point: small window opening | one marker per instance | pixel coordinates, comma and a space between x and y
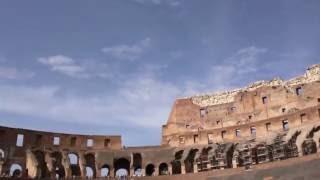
181, 140
202, 112
264, 99
237, 132
20, 138
283, 110
210, 138
195, 138
73, 141
56, 141
89, 142
233, 109
303, 117
107, 143
187, 125
250, 117
318, 100
285, 125
268, 126
38, 139
299, 91
253, 131
223, 134
218, 122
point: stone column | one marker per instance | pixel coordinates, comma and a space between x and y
66, 164
234, 162
48, 160
111, 172
195, 167
221, 163
82, 165
183, 169
143, 172
156, 171
1, 164
170, 169
131, 171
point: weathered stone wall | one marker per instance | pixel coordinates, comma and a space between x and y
195, 118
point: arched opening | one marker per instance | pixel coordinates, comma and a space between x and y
150, 170
137, 164
309, 147
176, 167
42, 169
163, 169
190, 160
176, 163
57, 165
15, 171
121, 167
90, 163
89, 172
105, 170
74, 164
203, 159
1, 154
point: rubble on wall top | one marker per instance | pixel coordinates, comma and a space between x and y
312, 74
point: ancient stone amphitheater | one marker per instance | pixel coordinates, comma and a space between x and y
268, 130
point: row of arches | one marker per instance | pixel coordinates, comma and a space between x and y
215, 156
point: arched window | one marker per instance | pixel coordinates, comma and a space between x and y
150, 170
105, 169
163, 169
15, 171
122, 167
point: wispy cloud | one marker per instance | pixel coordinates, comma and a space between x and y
64, 65
14, 73
128, 52
68, 66
172, 3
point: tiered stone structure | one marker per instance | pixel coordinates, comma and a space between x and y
240, 129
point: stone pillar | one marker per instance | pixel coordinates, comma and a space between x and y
1, 164
111, 172
156, 171
183, 169
48, 160
66, 164
221, 163
234, 162
170, 169
195, 168
82, 165
98, 172
131, 171
143, 172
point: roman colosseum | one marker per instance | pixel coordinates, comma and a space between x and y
267, 130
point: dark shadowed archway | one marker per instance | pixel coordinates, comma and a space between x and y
122, 167
163, 169
150, 169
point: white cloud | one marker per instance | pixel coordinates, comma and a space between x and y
14, 73
64, 65
128, 52
68, 66
229, 72
172, 3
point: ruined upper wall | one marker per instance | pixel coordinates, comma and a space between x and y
312, 74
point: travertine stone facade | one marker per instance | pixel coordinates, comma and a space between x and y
244, 113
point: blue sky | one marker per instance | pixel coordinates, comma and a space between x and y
116, 66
